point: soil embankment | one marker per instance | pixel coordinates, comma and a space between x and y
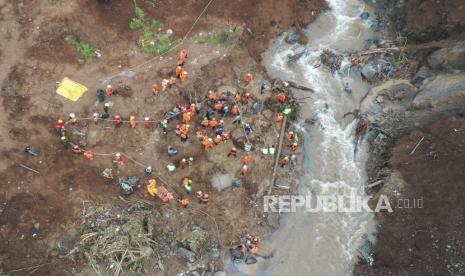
417, 146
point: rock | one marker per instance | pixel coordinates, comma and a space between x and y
186, 254
421, 75
220, 273
368, 71
451, 58
364, 15
292, 36
444, 91
379, 99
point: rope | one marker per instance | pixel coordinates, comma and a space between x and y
107, 78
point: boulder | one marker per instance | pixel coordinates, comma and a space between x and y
442, 92
368, 71
451, 58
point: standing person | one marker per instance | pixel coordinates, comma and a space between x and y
155, 89
118, 121
108, 90
249, 77
72, 118
237, 119
100, 95
29, 150
106, 107
232, 152
118, 159
182, 57
149, 171
246, 158
59, 127
147, 122
96, 118
178, 72
244, 169
64, 141
182, 164
164, 126
132, 121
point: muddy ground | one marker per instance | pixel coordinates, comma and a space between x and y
40, 216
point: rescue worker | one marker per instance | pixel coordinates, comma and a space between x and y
164, 84
232, 152
219, 129
184, 202
108, 90
118, 159
204, 198
246, 158
72, 118
89, 155
247, 147
29, 150
190, 161
179, 72
213, 123
118, 121
149, 171
186, 117
244, 169
100, 95
246, 98
234, 110
205, 122
218, 106
237, 119
279, 117
96, 118
193, 109
108, 173
182, 164
76, 149
284, 161
59, 126
249, 77
172, 151
290, 135
237, 97
247, 128
182, 57
171, 168
281, 97
293, 146
106, 107
132, 121
217, 139
64, 141
207, 143
147, 123
187, 184
164, 126
155, 89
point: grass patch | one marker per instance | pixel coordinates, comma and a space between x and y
151, 41
85, 50
217, 36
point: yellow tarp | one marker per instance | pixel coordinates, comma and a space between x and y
71, 89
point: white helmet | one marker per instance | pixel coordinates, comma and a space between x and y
95, 114
109, 86
146, 118
118, 154
72, 115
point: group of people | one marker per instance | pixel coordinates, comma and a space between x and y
211, 130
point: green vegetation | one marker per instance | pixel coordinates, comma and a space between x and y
216, 37
138, 21
85, 50
151, 41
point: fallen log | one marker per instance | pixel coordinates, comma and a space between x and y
376, 183
417, 145
276, 162
297, 86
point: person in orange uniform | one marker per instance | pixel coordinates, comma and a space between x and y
208, 143
184, 202
281, 97
205, 122
217, 139
155, 89
182, 57
246, 158
89, 155
132, 121
179, 72
249, 77
244, 169
213, 123
108, 90
234, 110
186, 117
218, 106
290, 135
